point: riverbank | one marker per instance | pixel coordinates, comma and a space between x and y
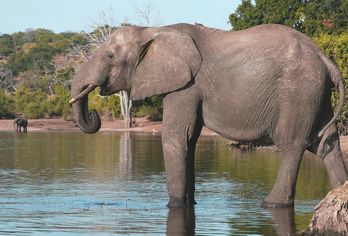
141, 125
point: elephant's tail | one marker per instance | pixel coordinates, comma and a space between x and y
339, 108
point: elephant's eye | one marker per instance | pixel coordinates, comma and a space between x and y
110, 55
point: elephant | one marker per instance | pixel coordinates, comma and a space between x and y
20, 123
266, 82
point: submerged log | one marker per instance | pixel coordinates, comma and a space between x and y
331, 214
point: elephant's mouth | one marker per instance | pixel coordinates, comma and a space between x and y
105, 91
113, 85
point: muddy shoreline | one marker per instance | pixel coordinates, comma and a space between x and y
141, 125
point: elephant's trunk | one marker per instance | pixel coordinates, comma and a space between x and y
89, 122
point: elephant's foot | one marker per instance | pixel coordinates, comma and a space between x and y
175, 202
276, 201
266, 204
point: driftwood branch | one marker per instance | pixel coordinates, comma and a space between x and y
331, 214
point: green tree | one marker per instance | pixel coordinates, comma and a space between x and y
30, 103
109, 106
284, 12
57, 104
35, 49
6, 45
39, 89
312, 17
151, 107
324, 16
6, 105
336, 48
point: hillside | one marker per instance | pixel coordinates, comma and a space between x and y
36, 68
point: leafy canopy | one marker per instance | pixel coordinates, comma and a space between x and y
312, 17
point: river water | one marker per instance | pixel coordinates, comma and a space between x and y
113, 183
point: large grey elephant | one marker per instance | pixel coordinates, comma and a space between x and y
267, 81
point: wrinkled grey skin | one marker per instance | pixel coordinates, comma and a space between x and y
267, 81
20, 123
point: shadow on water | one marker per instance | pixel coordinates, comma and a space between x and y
114, 183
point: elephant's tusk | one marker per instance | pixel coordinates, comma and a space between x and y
84, 92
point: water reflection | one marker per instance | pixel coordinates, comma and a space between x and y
181, 221
284, 220
125, 154
114, 183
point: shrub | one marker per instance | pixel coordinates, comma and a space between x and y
6, 106
336, 48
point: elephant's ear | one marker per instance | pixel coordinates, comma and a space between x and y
168, 61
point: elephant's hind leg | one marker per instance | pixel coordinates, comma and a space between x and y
290, 136
283, 192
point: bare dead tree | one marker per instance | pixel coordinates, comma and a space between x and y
7, 79
147, 15
126, 105
81, 51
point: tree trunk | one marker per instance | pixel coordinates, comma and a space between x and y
126, 105
331, 214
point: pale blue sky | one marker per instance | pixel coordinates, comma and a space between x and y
77, 15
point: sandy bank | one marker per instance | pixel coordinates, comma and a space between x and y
141, 125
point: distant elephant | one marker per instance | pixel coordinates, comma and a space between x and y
20, 123
268, 81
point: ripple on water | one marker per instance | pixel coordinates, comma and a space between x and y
114, 184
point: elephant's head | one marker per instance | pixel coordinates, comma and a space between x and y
143, 61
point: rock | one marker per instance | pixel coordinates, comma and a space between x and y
331, 214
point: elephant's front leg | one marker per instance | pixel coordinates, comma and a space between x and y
181, 129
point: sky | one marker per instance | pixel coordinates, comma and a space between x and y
77, 15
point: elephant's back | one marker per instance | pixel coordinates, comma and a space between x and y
254, 79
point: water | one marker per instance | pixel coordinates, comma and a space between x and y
114, 184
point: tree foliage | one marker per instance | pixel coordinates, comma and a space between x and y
36, 83
34, 49
6, 105
31, 84
264, 12
151, 107
312, 17
336, 48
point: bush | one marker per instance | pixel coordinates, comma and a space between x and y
152, 108
109, 106
33, 110
336, 48
6, 106
31, 103
58, 104
152, 113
